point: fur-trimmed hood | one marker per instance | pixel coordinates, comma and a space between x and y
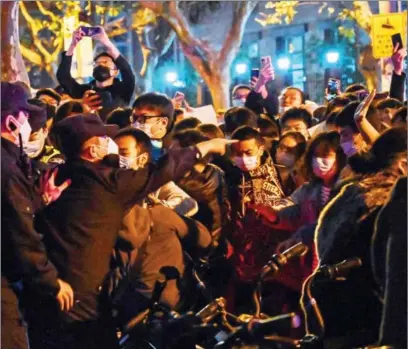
339, 222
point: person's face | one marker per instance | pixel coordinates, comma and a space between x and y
386, 116
248, 149
328, 163
128, 149
286, 152
38, 135
240, 96
48, 100
347, 134
151, 122
291, 98
107, 62
350, 142
295, 126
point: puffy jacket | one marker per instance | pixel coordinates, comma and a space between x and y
210, 191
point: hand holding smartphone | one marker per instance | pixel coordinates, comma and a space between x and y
397, 39
90, 31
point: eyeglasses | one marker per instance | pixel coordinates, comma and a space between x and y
286, 149
143, 118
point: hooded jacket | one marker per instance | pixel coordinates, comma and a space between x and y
345, 228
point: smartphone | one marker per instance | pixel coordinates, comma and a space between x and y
397, 39
265, 60
333, 86
254, 73
105, 98
91, 31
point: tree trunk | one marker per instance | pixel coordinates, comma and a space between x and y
12, 64
218, 83
145, 75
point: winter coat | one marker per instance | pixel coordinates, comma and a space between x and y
210, 191
389, 256
351, 308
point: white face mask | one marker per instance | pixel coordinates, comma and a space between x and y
322, 166
287, 160
238, 102
129, 163
34, 148
147, 128
111, 148
25, 131
247, 163
349, 148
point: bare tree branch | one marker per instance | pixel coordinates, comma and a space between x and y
233, 39
31, 55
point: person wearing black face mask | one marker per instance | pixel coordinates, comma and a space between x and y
110, 92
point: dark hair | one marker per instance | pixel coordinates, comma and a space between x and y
186, 124
400, 117
331, 118
391, 103
120, 117
48, 92
319, 113
189, 138
156, 102
68, 108
351, 96
300, 141
346, 117
245, 133
237, 87
389, 147
239, 116
329, 141
104, 54
298, 90
143, 142
335, 105
297, 113
268, 128
177, 112
355, 88
211, 131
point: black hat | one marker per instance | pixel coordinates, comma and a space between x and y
38, 119
72, 132
15, 99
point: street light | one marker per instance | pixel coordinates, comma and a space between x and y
171, 77
241, 68
332, 57
284, 63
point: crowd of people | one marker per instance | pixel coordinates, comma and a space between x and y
101, 189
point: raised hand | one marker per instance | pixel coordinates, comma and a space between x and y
214, 146
362, 109
77, 36
51, 192
397, 58
65, 296
92, 101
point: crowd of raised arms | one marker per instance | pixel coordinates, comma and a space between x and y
123, 216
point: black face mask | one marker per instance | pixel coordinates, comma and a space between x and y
101, 73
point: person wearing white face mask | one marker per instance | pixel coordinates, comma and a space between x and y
324, 160
288, 156
153, 114
135, 152
26, 268
42, 155
82, 227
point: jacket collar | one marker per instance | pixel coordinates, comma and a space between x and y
10, 148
